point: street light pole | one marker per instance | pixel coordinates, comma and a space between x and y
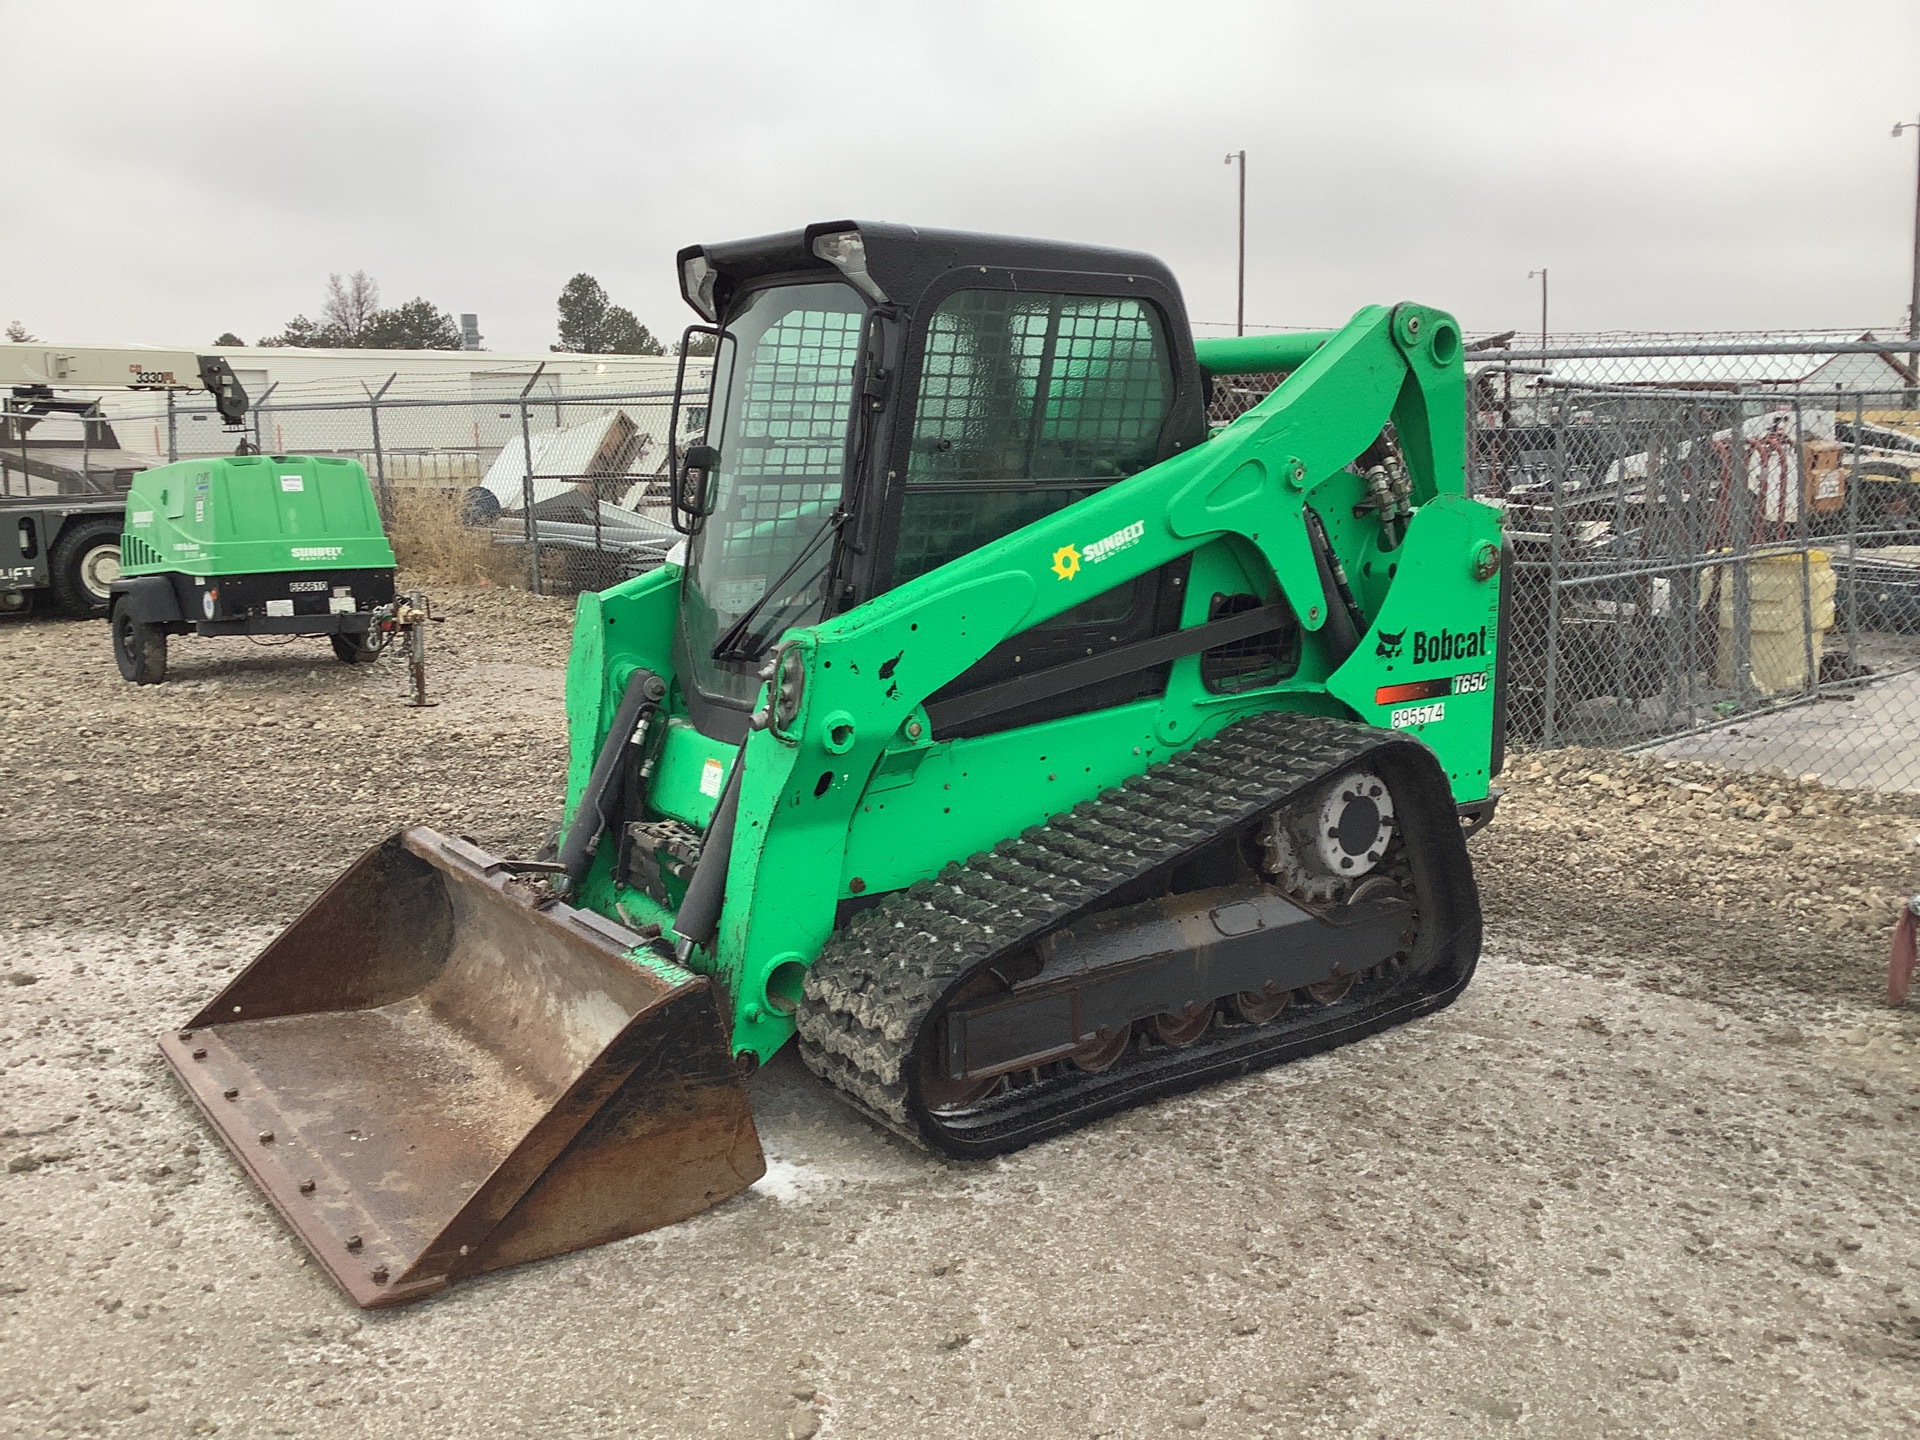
1542, 274
1240, 301
1913, 300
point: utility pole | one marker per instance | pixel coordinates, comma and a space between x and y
1542, 274
1913, 300
1240, 303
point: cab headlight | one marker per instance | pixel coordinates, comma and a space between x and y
697, 277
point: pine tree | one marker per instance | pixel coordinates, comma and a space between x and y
590, 324
417, 325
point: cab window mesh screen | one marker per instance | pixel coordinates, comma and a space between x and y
1039, 387
1027, 403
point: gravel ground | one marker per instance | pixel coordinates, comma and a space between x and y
229, 794
1763, 892
1655, 1173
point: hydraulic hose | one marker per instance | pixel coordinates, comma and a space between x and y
1341, 630
643, 694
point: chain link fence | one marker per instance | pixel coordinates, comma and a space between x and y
1715, 550
561, 492
1715, 546
1715, 541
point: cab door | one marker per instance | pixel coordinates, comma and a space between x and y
1025, 400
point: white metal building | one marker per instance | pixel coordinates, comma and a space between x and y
449, 410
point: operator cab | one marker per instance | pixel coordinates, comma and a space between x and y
886, 399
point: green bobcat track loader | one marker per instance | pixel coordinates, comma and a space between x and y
250, 545
1017, 744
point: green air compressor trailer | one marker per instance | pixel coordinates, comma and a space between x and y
250, 545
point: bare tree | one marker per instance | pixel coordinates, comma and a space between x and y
350, 304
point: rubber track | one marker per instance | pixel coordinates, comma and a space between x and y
880, 979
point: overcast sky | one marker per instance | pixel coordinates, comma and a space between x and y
180, 169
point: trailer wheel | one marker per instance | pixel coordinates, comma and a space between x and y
350, 649
85, 562
139, 650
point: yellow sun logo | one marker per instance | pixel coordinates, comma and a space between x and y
1066, 562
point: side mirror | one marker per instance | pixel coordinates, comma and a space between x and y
692, 487
689, 488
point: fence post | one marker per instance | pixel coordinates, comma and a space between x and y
1557, 496
526, 491
254, 413
1740, 519
1474, 486
1628, 638
380, 490
1853, 540
1803, 508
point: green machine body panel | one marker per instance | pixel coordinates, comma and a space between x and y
852, 789
252, 515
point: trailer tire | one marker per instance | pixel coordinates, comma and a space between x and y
355, 647
84, 563
139, 650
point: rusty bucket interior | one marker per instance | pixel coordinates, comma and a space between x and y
431, 1075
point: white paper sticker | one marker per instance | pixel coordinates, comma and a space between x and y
279, 607
292, 484
340, 604
711, 774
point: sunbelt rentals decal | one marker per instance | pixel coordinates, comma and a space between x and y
1068, 559
316, 552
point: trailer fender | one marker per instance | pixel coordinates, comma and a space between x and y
151, 598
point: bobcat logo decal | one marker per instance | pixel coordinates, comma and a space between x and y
1388, 646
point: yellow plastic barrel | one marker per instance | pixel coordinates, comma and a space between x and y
1789, 593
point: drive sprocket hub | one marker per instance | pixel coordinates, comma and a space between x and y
1314, 851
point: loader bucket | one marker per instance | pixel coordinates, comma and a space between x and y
432, 1076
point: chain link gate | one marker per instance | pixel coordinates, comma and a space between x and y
1716, 551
